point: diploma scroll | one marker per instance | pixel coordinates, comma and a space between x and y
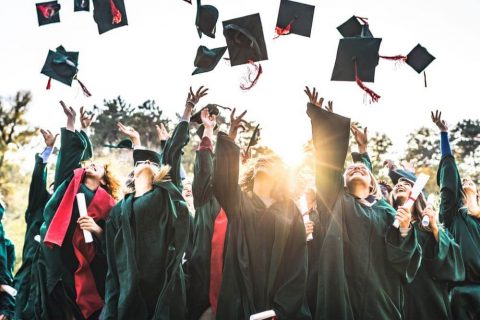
304, 211
269, 314
416, 190
82, 210
430, 202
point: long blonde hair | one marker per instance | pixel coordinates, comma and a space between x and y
160, 176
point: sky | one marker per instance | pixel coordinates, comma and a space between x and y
152, 58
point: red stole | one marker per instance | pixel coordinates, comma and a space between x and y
216, 258
88, 299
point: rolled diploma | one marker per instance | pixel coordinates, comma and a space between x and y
416, 189
82, 210
304, 211
263, 315
430, 202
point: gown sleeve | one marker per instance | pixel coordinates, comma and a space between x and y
202, 185
37, 194
172, 151
112, 287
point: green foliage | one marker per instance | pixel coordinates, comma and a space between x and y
423, 146
466, 138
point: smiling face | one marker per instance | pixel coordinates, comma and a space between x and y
145, 166
95, 171
401, 191
469, 186
357, 173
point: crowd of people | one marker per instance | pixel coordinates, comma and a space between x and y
139, 252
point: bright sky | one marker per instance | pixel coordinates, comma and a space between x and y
152, 58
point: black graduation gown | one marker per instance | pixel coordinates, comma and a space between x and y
25, 282
207, 209
363, 259
146, 240
57, 265
265, 263
7, 263
466, 231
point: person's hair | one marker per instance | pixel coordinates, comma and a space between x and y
464, 194
281, 189
112, 184
160, 176
374, 187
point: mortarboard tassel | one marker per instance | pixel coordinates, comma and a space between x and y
116, 14
49, 83
47, 11
425, 78
84, 89
283, 31
364, 20
396, 58
253, 74
367, 90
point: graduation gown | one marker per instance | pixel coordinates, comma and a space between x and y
209, 217
363, 259
466, 231
25, 282
58, 264
426, 297
266, 256
7, 263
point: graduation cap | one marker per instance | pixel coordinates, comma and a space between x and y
147, 155
245, 39
356, 61
123, 144
253, 141
355, 27
109, 14
62, 65
48, 12
206, 20
207, 59
294, 17
213, 109
81, 5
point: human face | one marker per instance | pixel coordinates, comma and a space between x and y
264, 167
357, 173
469, 186
142, 166
94, 171
402, 191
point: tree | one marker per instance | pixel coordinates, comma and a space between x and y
465, 135
423, 147
14, 129
379, 145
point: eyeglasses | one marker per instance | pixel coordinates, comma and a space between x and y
148, 163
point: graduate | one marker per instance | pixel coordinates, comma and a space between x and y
7, 263
363, 259
460, 213
38, 196
426, 297
148, 232
72, 271
206, 263
265, 264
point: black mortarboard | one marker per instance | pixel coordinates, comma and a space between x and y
81, 5
48, 12
109, 14
61, 65
360, 51
298, 15
207, 59
353, 28
245, 39
206, 20
213, 109
419, 58
144, 155
123, 144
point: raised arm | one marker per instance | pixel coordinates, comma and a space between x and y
330, 133
202, 186
226, 167
448, 177
361, 138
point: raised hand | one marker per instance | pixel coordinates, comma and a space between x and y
313, 97
162, 132
329, 106
404, 217
71, 116
130, 132
361, 137
48, 137
85, 119
408, 165
208, 120
437, 119
389, 164
192, 100
309, 227
236, 123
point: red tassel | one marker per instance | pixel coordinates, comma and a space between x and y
49, 83
363, 20
374, 96
47, 11
84, 89
396, 58
116, 14
252, 76
283, 31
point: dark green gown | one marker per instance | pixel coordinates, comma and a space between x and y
466, 231
426, 297
25, 282
265, 263
7, 263
363, 259
57, 265
207, 209
146, 239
